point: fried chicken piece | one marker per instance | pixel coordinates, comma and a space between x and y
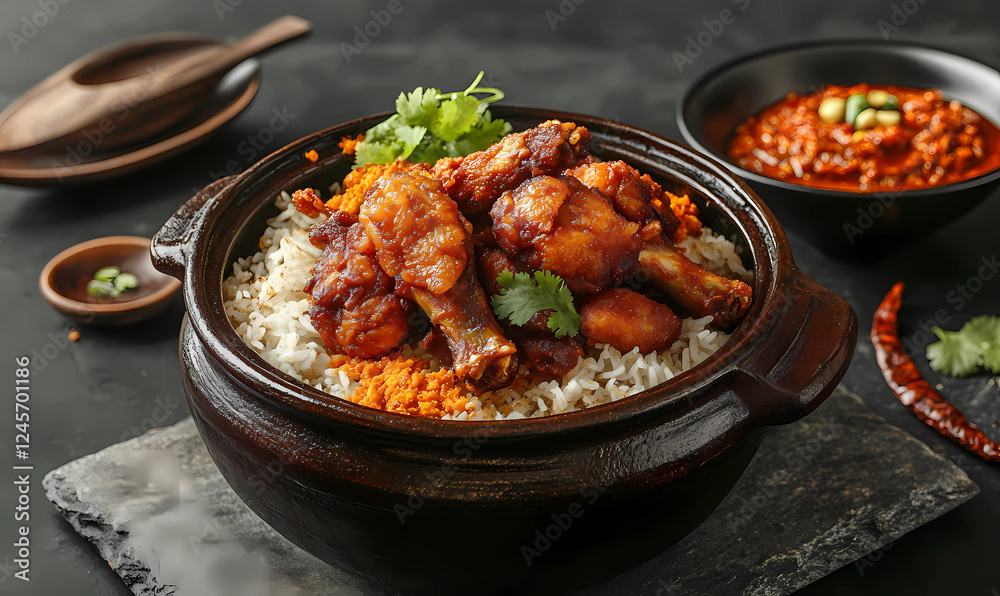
477, 180
694, 288
308, 203
638, 198
560, 225
546, 354
424, 242
354, 307
635, 196
627, 319
491, 262
419, 235
538, 346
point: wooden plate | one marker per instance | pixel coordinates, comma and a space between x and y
86, 162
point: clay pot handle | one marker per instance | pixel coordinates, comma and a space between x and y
808, 348
170, 246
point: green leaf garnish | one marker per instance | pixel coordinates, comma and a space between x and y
456, 117
418, 107
962, 353
429, 125
953, 354
524, 295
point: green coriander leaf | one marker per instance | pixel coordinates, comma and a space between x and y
960, 353
456, 117
564, 323
548, 281
486, 132
517, 300
982, 329
523, 295
991, 357
419, 107
430, 150
506, 279
409, 137
385, 130
984, 332
429, 125
378, 152
953, 354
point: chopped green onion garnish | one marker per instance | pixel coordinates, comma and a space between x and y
107, 273
110, 282
98, 287
126, 282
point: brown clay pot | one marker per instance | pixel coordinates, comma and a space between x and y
441, 506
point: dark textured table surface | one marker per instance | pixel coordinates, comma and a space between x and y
609, 59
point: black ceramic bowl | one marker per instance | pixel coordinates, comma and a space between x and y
855, 224
443, 506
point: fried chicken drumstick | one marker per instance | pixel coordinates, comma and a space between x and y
698, 290
423, 241
355, 307
638, 198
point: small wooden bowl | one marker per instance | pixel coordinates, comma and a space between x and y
64, 281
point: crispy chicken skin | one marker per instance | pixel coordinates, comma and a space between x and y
477, 180
627, 319
692, 287
354, 304
635, 196
560, 225
422, 239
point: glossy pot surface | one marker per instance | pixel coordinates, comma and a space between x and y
432, 505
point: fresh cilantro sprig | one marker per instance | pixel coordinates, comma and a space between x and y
429, 125
961, 353
524, 295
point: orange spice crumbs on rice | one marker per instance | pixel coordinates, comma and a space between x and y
358, 181
687, 213
404, 385
348, 145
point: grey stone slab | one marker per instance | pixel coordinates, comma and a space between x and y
820, 493
832, 488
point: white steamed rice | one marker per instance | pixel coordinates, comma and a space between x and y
267, 307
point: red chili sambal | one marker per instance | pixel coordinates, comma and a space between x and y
930, 142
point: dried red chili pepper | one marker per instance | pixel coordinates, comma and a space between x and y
913, 390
